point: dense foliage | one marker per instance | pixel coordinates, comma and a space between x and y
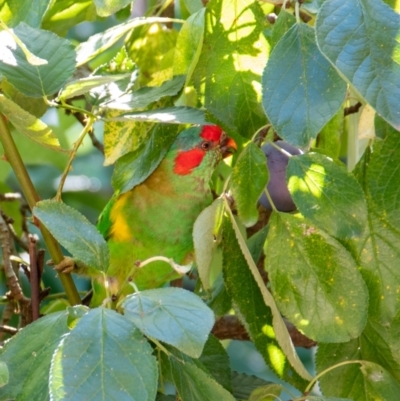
321, 75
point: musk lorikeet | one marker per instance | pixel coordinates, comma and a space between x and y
156, 217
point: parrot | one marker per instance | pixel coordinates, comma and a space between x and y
156, 217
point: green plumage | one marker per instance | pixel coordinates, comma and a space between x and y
156, 217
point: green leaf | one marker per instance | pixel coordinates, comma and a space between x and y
229, 70
382, 180
269, 392
172, 315
106, 8
320, 290
361, 39
378, 249
35, 106
84, 85
28, 124
123, 137
244, 384
329, 138
249, 178
103, 357
74, 232
133, 168
36, 80
170, 115
205, 232
146, 95
193, 383
4, 374
301, 90
188, 46
257, 308
29, 11
99, 42
216, 360
65, 14
284, 22
28, 356
326, 194
362, 381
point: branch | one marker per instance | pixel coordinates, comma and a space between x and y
11, 278
229, 327
14, 158
34, 278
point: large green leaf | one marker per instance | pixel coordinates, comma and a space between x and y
244, 385
28, 357
301, 90
103, 358
205, 232
133, 168
36, 80
29, 11
170, 115
378, 248
315, 280
325, 193
216, 360
258, 311
382, 175
99, 42
74, 232
365, 381
65, 14
233, 56
193, 383
122, 137
361, 39
249, 178
172, 315
189, 45
106, 8
84, 85
146, 95
28, 124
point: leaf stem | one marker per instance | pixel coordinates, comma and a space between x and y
78, 143
271, 202
14, 158
316, 378
67, 106
297, 11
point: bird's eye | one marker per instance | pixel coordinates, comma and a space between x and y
205, 145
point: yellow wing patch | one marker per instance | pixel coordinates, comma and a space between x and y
120, 230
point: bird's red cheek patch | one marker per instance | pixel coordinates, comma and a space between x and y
186, 161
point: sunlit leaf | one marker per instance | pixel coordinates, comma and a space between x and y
301, 90
361, 39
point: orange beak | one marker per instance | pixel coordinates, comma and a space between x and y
227, 145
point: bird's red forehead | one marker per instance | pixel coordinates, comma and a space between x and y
211, 133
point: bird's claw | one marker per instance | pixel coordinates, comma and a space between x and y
67, 265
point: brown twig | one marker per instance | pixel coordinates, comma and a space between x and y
10, 197
229, 327
8, 313
11, 278
34, 278
8, 329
